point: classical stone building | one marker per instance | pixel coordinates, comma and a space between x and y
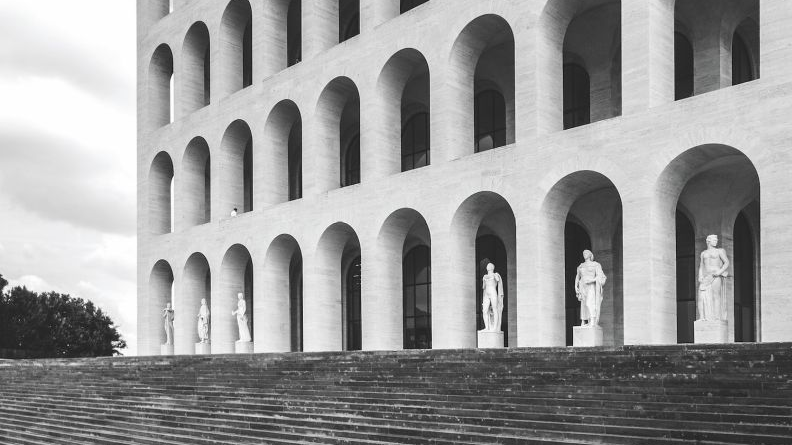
380, 152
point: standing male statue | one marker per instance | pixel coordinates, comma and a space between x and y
588, 287
167, 317
203, 322
713, 270
492, 299
242, 318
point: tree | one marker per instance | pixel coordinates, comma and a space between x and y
50, 324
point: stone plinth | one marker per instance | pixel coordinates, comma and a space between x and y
203, 348
587, 336
489, 340
710, 331
243, 347
166, 350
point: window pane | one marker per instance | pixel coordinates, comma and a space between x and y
422, 299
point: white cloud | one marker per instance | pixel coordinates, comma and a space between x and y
32, 282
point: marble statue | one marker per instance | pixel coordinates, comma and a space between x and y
242, 318
492, 300
588, 287
713, 270
203, 322
167, 317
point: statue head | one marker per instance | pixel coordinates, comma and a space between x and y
168, 306
712, 240
240, 296
587, 255
490, 267
203, 301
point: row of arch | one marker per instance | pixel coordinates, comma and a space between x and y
590, 51
391, 297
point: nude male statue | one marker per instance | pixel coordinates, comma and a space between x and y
492, 299
167, 317
588, 287
713, 270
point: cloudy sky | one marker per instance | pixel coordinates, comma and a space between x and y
67, 151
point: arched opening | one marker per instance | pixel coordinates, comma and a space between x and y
745, 52
236, 47
582, 211
338, 130
683, 67
196, 285
354, 340
397, 312
196, 189
403, 89
592, 37
160, 78
576, 240
160, 293
283, 136
685, 277
160, 186
417, 298
484, 220
236, 167
294, 33
712, 185
196, 81
326, 296
281, 302
406, 5
577, 97
482, 60
348, 19
236, 276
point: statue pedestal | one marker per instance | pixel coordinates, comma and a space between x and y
490, 340
166, 350
203, 348
587, 336
710, 331
243, 347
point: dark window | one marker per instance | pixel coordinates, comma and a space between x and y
348, 19
742, 68
406, 5
577, 96
683, 67
685, 278
352, 163
415, 142
207, 76
296, 302
576, 240
490, 249
247, 56
354, 339
294, 33
295, 162
490, 120
744, 281
417, 293
208, 190
247, 169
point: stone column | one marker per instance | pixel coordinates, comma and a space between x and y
376, 12
712, 69
647, 54
322, 314
451, 119
776, 42
319, 26
273, 34
382, 305
453, 292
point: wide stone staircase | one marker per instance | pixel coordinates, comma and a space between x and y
704, 394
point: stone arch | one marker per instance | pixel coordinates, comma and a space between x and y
714, 183
281, 302
383, 309
160, 292
160, 194
454, 303
196, 189
283, 142
403, 90
196, 77
196, 284
154, 11
482, 58
236, 169
746, 34
160, 81
235, 276
324, 296
591, 200
337, 126
236, 47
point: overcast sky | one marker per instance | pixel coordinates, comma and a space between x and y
67, 151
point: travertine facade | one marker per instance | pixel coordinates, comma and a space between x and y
719, 160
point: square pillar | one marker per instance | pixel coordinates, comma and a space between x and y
647, 54
775, 40
319, 26
376, 12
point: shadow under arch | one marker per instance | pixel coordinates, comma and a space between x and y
160, 293
281, 299
196, 285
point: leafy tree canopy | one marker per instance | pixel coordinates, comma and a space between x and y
50, 324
